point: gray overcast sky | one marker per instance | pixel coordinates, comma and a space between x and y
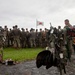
25, 12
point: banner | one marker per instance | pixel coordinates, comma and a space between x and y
40, 23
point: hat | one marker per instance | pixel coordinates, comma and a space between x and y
16, 26
31, 29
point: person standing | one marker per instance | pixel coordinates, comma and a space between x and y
68, 39
40, 38
17, 37
32, 38
23, 38
6, 37
37, 38
27, 38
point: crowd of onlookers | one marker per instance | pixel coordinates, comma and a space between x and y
22, 38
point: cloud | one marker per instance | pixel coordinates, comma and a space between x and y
25, 12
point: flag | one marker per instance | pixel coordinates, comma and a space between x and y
40, 23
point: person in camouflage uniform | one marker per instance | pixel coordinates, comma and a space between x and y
73, 39
44, 38
27, 38
32, 38
37, 38
23, 38
10, 38
68, 39
17, 37
1, 43
6, 37
40, 38
1, 37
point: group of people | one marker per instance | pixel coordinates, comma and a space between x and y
22, 38
59, 48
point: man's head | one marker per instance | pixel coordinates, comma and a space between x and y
26, 29
59, 27
22, 29
36, 30
16, 26
32, 29
40, 30
66, 22
5, 26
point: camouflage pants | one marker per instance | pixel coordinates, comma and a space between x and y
40, 42
37, 42
23, 43
44, 42
6, 42
1, 42
69, 49
32, 42
17, 42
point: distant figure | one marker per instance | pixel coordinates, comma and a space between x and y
1, 37
40, 38
23, 38
37, 38
6, 36
17, 37
32, 38
27, 38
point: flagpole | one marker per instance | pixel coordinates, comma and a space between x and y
36, 23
